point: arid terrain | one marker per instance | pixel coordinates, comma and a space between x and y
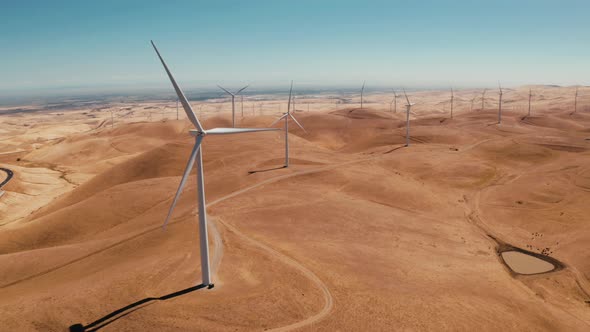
360, 233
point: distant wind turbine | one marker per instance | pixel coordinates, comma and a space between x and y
530, 97
286, 117
576, 101
452, 97
483, 99
408, 111
362, 91
500, 104
233, 103
196, 154
394, 102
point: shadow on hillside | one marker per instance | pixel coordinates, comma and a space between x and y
126, 310
266, 170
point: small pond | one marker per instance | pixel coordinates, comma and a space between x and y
526, 264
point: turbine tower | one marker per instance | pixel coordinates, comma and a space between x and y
362, 91
576, 101
394, 102
472, 101
530, 97
452, 97
286, 116
500, 104
233, 103
199, 133
408, 111
483, 99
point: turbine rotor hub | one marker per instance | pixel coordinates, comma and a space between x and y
197, 133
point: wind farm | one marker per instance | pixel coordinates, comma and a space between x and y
263, 219
156, 208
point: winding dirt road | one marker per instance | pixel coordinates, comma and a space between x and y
218, 245
9, 175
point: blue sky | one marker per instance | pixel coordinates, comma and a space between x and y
105, 44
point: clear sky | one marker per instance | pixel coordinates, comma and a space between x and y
105, 44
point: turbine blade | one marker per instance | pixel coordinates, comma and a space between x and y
279, 119
225, 90
289, 104
187, 171
228, 131
297, 122
407, 99
242, 89
185, 104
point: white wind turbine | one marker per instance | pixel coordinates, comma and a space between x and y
530, 97
362, 91
286, 116
408, 111
576, 101
500, 104
196, 154
452, 98
394, 102
233, 103
483, 99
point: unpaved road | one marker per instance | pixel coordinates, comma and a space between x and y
9, 175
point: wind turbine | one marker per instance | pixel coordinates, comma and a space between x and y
394, 102
408, 110
362, 91
472, 101
286, 116
576, 101
233, 103
199, 133
452, 97
500, 104
530, 97
483, 99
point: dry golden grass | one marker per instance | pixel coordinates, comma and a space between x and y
360, 233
